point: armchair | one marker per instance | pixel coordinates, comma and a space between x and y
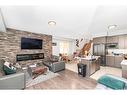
57, 66
54, 64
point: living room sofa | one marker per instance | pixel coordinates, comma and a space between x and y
55, 66
13, 81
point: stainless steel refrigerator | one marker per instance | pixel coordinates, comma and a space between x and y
100, 50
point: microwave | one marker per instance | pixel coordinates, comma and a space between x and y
112, 45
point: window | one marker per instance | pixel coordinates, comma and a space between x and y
64, 47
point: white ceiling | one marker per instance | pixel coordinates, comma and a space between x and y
71, 22
109, 15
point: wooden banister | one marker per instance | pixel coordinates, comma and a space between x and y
85, 48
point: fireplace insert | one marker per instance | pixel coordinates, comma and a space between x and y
25, 57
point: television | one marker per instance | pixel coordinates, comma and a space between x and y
30, 43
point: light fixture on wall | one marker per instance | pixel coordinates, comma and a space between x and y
52, 23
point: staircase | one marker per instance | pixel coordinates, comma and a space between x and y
85, 48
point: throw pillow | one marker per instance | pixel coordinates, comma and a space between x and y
7, 64
8, 70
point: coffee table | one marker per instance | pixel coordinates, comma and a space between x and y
36, 71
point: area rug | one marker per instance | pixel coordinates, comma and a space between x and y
41, 78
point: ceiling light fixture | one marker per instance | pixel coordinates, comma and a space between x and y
112, 26
51, 23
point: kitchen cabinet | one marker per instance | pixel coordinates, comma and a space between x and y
118, 60
99, 40
95, 40
125, 42
114, 61
124, 69
124, 74
110, 61
120, 39
112, 39
121, 43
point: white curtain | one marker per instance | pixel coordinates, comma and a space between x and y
64, 47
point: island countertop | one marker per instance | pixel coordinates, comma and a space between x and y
89, 58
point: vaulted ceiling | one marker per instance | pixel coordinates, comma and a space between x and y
71, 22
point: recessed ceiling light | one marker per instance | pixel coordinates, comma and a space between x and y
52, 23
112, 26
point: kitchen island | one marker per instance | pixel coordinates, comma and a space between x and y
92, 63
124, 68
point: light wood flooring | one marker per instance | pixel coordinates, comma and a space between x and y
66, 80
103, 70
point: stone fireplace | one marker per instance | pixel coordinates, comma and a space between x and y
10, 47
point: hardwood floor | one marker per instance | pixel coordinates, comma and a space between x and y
66, 80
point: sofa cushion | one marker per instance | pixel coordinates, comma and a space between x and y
7, 64
1, 74
55, 58
8, 70
2, 61
111, 82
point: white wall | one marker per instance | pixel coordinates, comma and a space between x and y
57, 40
2, 26
55, 49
